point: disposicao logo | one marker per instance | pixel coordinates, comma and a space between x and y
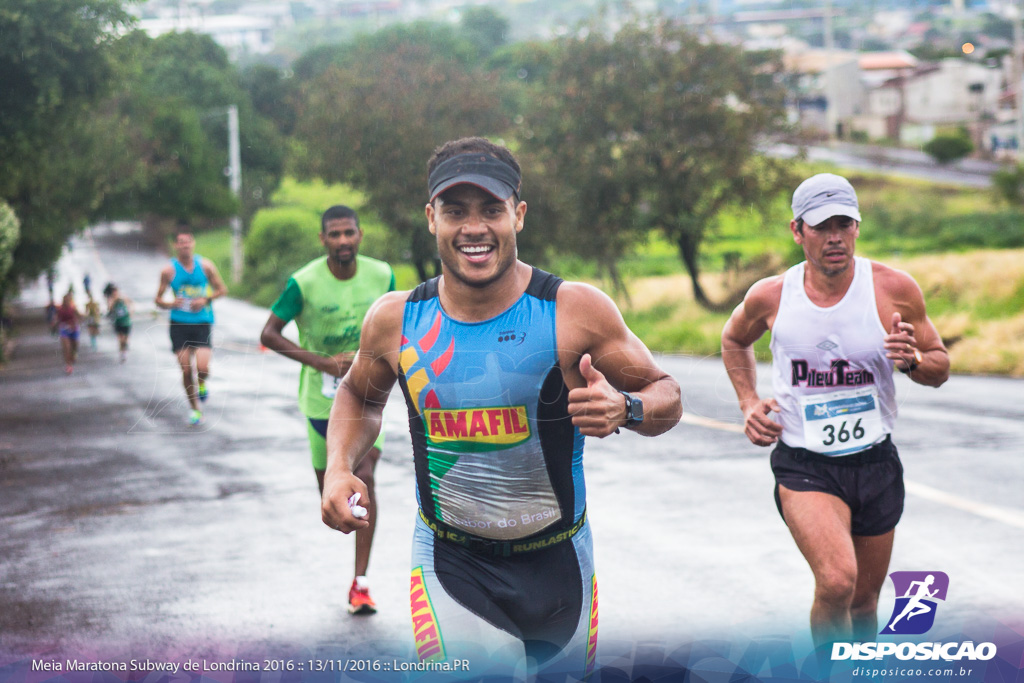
918, 595
917, 598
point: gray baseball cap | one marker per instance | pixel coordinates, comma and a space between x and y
822, 196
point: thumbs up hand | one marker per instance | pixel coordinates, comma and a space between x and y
900, 344
898, 326
598, 409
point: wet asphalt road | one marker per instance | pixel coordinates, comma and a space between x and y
126, 534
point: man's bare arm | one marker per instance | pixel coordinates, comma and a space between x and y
903, 311
601, 356
748, 322
217, 286
273, 338
165, 282
358, 406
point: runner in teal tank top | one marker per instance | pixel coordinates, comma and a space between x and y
328, 299
505, 370
195, 283
119, 308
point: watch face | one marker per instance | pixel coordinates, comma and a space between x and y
636, 409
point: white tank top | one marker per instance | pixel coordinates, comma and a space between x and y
830, 375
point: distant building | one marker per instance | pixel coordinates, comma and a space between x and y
236, 33
1000, 141
879, 67
891, 24
821, 79
890, 95
912, 107
882, 74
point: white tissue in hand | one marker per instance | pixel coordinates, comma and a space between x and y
358, 511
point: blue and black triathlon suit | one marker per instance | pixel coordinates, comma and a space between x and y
188, 327
502, 555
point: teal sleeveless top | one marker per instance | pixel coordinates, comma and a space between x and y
495, 451
191, 285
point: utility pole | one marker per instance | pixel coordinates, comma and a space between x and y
1017, 74
831, 119
235, 177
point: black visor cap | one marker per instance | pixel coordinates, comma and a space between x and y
481, 170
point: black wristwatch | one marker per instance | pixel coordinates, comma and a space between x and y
918, 359
634, 409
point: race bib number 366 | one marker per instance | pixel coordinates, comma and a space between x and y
841, 422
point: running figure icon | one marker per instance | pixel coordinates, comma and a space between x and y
915, 604
918, 594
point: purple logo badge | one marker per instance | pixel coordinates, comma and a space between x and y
917, 596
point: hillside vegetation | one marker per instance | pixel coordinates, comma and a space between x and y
975, 299
965, 251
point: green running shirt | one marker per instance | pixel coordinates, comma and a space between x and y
329, 315
120, 313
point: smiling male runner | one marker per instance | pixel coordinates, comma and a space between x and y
505, 369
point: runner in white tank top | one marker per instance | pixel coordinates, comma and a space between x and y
839, 324
830, 375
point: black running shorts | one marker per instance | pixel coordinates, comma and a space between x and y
190, 334
869, 482
541, 604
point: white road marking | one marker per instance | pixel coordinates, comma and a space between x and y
711, 423
1012, 517
241, 347
995, 512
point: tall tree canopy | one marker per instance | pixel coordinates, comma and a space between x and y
655, 127
173, 102
273, 95
54, 58
55, 66
374, 116
573, 150
486, 28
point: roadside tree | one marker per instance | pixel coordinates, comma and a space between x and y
173, 100
55, 67
653, 128
577, 126
486, 28
1009, 184
9, 229
948, 148
374, 115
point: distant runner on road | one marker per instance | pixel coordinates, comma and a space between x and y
66, 322
839, 323
195, 282
119, 309
505, 369
328, 299
92, 319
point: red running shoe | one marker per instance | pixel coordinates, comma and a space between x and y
359, 600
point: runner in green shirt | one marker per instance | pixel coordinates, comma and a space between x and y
328, 299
